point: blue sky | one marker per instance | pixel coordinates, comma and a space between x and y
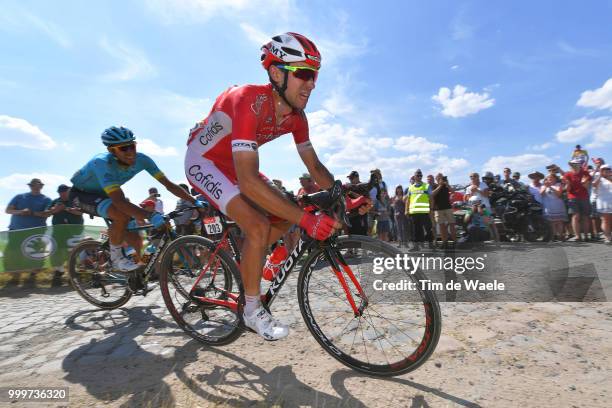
443, 86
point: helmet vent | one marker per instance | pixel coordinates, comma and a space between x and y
291, 51
277, 38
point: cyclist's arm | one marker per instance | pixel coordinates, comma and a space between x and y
316, 169
123, 205
254, 188
175, 189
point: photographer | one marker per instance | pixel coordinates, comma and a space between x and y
443, 213
477, 220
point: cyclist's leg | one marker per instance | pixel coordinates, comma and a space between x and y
256, 228
117, 231
135, 241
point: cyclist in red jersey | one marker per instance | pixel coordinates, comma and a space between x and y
222, 162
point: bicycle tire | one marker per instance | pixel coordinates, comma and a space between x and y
167, 279
432, 323
98, 277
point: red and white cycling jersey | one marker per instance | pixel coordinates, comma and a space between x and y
242, 119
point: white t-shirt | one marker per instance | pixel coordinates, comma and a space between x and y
159, 206
604, 196
482, 187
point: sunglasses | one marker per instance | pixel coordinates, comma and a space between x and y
418, 175
303, 73
125, 147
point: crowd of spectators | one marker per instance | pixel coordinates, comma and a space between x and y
577, 202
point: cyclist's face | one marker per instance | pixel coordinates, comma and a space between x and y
126, 155
298, 91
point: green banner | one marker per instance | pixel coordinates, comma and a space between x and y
42, 247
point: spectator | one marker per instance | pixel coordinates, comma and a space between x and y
603, 185
379, 185
516, 176
418, 207
64, 212
278, 183
580, 155
488, 179
478, 189
594, 215
184, 222
536, 185
63, 209
477, 219
28, 210
431, 181
308, 185
159, 204
509, 180
359, 221
554, 207
399, 207
443, 212
382, 208
577, 180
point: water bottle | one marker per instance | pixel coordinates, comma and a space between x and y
274, 262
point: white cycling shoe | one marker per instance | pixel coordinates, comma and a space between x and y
124, 264
265, 325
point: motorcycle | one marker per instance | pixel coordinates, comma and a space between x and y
518, 216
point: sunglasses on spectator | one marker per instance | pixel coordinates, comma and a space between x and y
303, 73
125, 147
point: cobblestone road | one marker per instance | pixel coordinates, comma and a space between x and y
490, 354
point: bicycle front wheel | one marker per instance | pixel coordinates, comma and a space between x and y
92, 277
396, 331
183, 261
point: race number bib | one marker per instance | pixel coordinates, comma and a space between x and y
213, 225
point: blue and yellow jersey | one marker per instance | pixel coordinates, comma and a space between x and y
103, 174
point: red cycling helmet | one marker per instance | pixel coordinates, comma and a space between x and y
290, 47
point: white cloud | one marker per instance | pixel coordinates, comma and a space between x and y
18, 20
256, 36
149, 147
574, 51
600, 98
540, 147
326, 133
19, 181
599, 128
522, 163
460, 29
183, 110
135, 64
199, 11
458, 103
20, 132
49, 29
455, 67
346, 148
417, 144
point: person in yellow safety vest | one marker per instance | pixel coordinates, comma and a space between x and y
418, 208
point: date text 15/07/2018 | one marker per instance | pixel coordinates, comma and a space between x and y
426, 284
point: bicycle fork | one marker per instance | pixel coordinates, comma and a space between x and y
338, 264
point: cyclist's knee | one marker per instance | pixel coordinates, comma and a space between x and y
257, 229
117, 216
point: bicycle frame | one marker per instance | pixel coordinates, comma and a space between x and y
332, 255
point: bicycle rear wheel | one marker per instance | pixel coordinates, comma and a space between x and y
182, 262
91, 276
397, 330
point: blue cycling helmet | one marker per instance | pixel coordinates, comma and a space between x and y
117, 135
